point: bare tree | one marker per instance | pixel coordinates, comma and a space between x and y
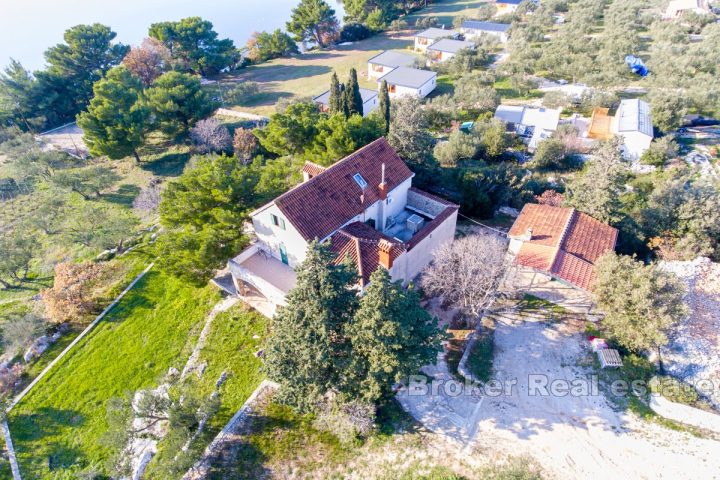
19, 331
148, 200
467, 272
148, 60
210, 135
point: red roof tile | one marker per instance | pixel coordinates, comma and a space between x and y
360, 242
565, 243
313, 169
324, 203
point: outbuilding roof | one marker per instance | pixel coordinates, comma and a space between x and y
486, 26
562, 241
633, 115
433, 33
365, 93
326, 202
449, 45
391, 58
408, 77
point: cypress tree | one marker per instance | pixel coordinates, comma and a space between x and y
385, 106
307, 352
353, 99
392, 337
335, 103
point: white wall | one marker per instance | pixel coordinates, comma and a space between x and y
421, 44
272, 236
471, 34
411, 263
421, 92
382, 70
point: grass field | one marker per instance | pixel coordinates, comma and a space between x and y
59, 425
309, 74
230, 349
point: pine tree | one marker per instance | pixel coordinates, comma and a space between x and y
385, 106
307, 352
116, 120
392, 337
335, 103
353, 99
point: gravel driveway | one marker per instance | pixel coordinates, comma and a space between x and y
572, 436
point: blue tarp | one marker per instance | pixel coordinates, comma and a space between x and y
636, 65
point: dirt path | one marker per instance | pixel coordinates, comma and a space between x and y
572, 436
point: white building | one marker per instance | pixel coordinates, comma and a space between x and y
676, 8
506, 6
369, 98
388, 61
409, 81
446, 49
474, 29
530, 123
364, 206
633, 123
427, 37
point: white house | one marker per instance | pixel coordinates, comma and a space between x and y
387, 61
364, 206
409, 81
633, 123
676, 8
530, 123
446, 48
369, 98
427, 37
474, 29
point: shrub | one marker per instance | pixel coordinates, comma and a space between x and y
550, 154
245, 145
354, 32
70, 297
210, 135
674, 390
347, 421
660, 151
459, 146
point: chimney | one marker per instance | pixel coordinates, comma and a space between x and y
384, 248
527, 236
383, 184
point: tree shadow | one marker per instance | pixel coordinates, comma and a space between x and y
171, 164
281, 73
124, 195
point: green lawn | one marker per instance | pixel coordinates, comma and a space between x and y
60, 423
229, 348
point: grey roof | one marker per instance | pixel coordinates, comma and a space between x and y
486, 26
450, 46
510, 2
434, 33
510, 113
408, 77
634, 116
365, 93
390, 58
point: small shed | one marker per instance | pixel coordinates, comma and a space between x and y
609, 358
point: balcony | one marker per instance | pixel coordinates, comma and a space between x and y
260, 270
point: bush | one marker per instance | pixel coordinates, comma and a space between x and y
354, 32
423, 23
660, 151
674, 390
550, 154
556, 99
347, 421
459, 146
210, 135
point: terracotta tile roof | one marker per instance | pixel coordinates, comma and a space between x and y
565, 243
313, 169
360, 242
324, 203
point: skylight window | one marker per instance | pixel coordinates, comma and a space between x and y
362, 183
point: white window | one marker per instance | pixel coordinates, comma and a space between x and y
362, 183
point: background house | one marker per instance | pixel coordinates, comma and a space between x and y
474, 29
409, 81
676, 8
531, 124
387, 61
369, 98
561, 243
507, 6
364, 205
427, 37
446, 48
